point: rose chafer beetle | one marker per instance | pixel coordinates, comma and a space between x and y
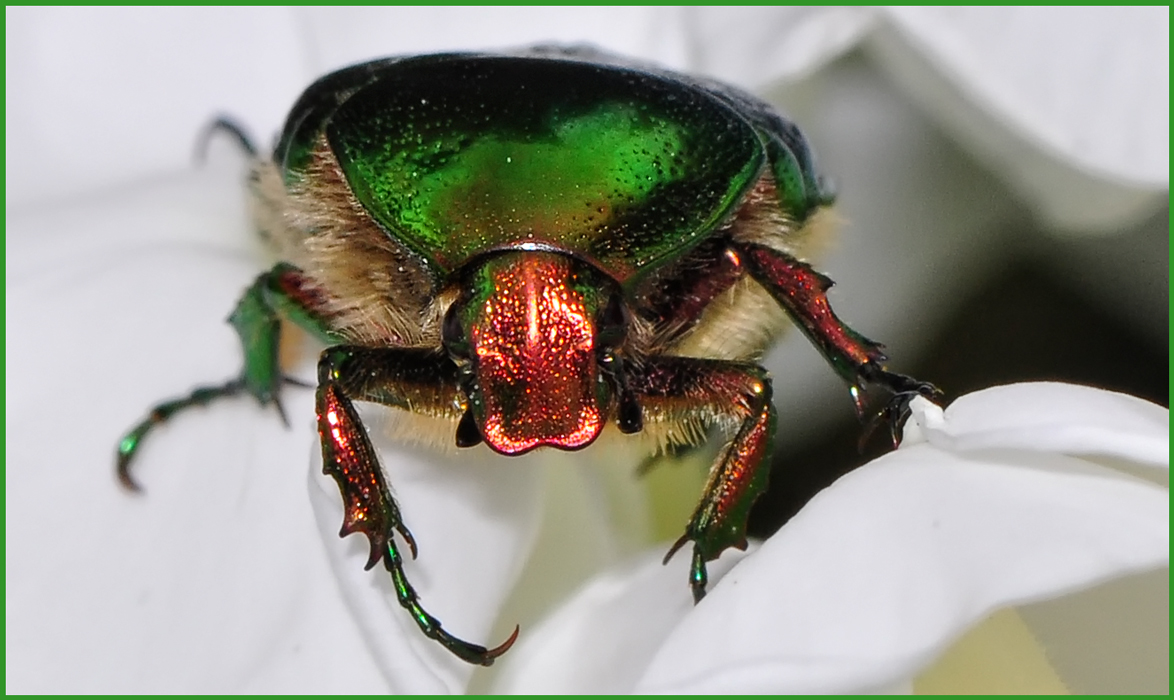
531, 247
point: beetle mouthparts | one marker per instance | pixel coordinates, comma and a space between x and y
534, 342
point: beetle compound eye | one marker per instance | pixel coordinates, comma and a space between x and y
452, 334
612, 326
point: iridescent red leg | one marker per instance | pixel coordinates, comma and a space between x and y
427, 382
802, 292
675, 389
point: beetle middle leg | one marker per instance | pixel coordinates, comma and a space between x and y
424, 381
283, 292
227, 125
682, 389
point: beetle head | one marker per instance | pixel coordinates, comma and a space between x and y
529, 333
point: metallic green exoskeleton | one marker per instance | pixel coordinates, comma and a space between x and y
532, 247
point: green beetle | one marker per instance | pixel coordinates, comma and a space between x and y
530, 247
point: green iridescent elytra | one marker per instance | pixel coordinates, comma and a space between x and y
454, 155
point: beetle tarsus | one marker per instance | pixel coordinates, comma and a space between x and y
281, 412
895, 411
128, 446
432, 627
698, 576
407, 535
276, 398
124, 477
681, 542
502, 648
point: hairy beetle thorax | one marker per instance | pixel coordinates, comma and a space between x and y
532, 338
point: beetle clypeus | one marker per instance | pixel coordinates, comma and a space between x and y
532, 246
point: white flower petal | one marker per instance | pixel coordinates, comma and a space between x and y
876, 576
1050, 417
1112, 639
882, 570
474, 517
211, 581
1070, 105
101, 95
753, 46
1070, 78
602, 638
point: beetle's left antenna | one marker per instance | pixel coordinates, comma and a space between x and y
229, 126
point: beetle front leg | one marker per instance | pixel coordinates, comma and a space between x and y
426, 382
802, 292
678, 389
283, 292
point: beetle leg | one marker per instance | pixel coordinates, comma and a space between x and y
230, 127
129, 444
676, 389
426, 382
802, 292
677, 302
282, 292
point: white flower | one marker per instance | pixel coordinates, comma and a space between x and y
999, 502
122, 263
